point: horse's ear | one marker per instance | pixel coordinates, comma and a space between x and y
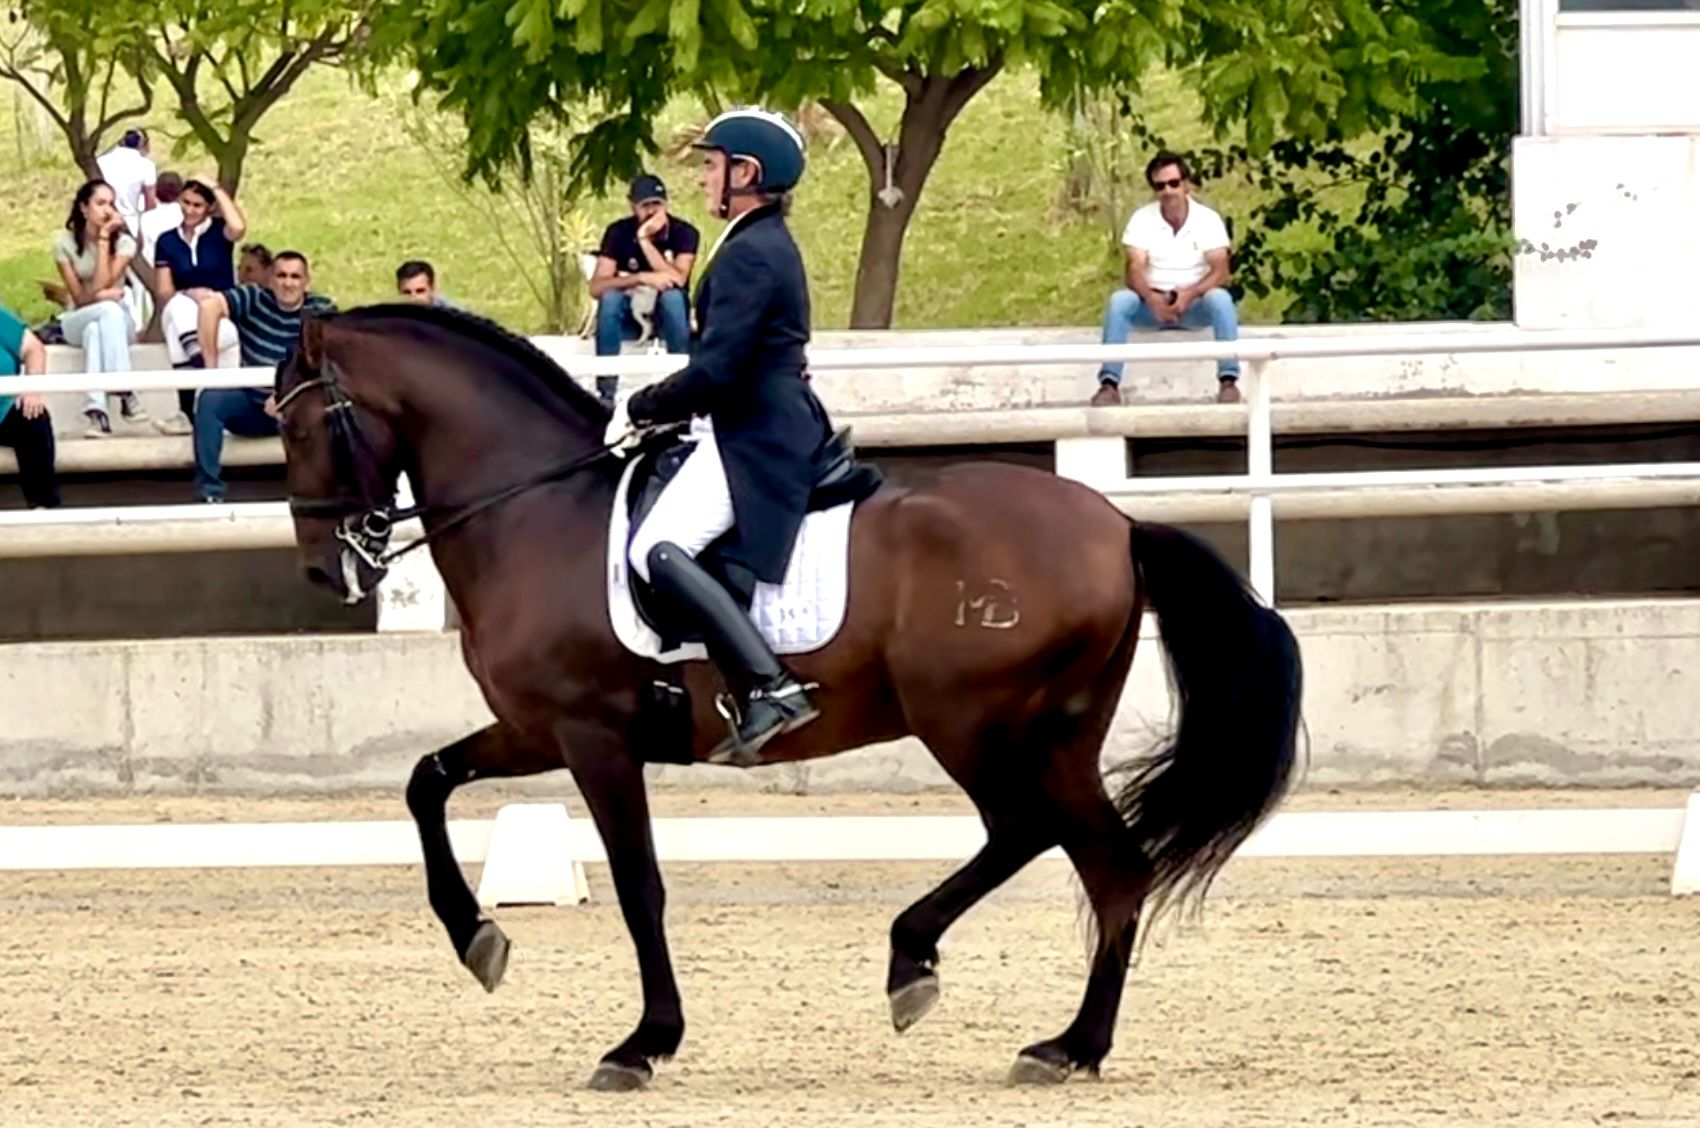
313, 343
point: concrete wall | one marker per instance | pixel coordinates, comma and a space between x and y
1578, 693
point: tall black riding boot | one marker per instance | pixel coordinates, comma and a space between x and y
777, 702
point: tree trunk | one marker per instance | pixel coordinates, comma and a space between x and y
930, 105
231, 157
877, 269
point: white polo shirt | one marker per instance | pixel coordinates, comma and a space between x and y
129, 173
1177, 257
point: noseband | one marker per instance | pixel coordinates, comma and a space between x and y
365, 522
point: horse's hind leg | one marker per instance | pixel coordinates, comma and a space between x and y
489, 753
1094, 837
912, 984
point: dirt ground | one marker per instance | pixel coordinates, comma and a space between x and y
1550, 992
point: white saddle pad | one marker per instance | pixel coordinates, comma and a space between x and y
799, 615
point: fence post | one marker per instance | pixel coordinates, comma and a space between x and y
411, 597
1260, 464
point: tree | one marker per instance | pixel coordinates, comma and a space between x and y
535, 222
248, 54
1417, 226
1266, 69
76, 60
226, 63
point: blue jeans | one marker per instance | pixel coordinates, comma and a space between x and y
241, 411
615, 325
1214, 311
104, 333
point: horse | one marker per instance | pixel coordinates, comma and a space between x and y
993, 615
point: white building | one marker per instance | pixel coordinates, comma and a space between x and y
1606, 174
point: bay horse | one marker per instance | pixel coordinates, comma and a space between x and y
514, 488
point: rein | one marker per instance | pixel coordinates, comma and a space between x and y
366, 525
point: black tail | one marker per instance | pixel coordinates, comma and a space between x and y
1235, 670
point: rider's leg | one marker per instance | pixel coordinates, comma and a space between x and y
777, 702
694, 509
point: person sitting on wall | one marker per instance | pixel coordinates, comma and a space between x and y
1177, 274
643, 269
25, 425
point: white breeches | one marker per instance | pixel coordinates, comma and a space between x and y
693, 509
179, 321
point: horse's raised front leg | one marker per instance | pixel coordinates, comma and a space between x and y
611, 781
489, 753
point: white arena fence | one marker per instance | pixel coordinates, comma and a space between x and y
533, 852
1099, 460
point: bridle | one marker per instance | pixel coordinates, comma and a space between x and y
365, 522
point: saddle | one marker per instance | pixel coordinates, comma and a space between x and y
839, 478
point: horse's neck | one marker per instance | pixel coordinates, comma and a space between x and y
460, 449
459, 455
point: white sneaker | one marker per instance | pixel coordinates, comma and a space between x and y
175, 424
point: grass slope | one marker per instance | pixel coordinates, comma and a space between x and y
337, 176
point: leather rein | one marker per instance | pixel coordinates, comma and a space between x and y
364, 524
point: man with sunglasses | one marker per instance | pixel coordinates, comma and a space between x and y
1177, 273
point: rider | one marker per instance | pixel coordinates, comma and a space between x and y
752, 476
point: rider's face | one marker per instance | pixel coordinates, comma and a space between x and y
714, 180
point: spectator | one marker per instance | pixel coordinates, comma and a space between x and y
25, 425
92, 253
416, 281
166, 215
196, 258
643, 269
1177, 268
130, 170
268, 322
255, 269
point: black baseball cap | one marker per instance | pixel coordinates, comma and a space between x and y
646, 188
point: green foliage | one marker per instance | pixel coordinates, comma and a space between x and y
1286, 68
1415, 224
605, 69
229, 63
225, 64
78, 61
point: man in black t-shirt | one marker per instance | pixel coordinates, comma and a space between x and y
643, 271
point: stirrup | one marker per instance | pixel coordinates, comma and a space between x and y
741, 752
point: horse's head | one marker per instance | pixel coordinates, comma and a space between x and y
341, 460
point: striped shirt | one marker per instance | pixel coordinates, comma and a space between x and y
269, 334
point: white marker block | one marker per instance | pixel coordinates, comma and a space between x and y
1685, 876
531, 859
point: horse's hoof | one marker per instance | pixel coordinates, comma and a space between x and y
487, 955
1030, 1070
611, 1077
910, 1004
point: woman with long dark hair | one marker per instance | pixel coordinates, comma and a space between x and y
92, 253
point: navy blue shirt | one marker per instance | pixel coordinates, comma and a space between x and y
211, 263
620, 243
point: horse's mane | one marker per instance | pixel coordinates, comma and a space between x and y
526, 357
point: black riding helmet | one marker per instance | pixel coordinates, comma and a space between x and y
765, 139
